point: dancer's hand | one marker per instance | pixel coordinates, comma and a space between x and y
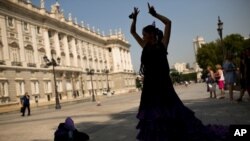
134, 14
151, 10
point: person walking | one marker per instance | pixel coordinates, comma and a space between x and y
244, 74
219, 77
230, 75
161, 114
26, 104
211, 82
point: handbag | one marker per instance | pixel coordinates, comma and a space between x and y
22, 109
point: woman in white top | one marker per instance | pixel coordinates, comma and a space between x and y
219, 76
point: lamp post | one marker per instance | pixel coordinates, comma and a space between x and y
91, 72
106, 71
53, 63
219, 29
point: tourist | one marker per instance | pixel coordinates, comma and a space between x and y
219, 76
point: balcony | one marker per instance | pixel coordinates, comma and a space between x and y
2, 62
31, 65
16, 63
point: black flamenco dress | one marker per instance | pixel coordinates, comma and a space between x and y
162, 116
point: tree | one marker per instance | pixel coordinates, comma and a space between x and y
234, 46
211, 53
138, 83
175, 76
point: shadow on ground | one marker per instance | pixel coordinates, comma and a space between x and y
122, 125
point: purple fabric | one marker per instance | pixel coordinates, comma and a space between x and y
69, 123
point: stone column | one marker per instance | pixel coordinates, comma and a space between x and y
127, 60
66, 50
80, 53
34, 44
20, 42
88, 55
47, 42
130, 62
116, 59
57, 45
4, 39
73, 44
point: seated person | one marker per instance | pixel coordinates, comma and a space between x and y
67, 132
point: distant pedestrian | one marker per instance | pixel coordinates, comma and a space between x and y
26, 103
230, 75
219, 76
67, 132
211, 82
244, 74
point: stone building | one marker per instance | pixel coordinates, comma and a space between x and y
28, 33
197, 43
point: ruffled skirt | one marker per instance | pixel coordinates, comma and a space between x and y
174, 122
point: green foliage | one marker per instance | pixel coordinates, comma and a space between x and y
138, 83
189, 77
179, 77
211, 53
175, 76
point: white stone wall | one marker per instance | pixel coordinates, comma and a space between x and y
89, 49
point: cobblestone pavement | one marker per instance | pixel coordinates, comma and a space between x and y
115, 119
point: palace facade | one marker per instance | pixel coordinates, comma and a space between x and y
28, 33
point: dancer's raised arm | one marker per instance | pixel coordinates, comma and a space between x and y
133, 27
166, 21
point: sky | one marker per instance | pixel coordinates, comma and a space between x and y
190, 18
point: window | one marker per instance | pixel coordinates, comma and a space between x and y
77, 85
38, 30
14, 54
10, 22
89, 85
60, 37
71, 60
85, 64
79, 61
63, 60
68, 85
4, 91
109, 49
41, 55
29, 56
47, 87
34, 87
83, 51
1, 51
25, 26
50, 34
104, 84
20, 88
59, 86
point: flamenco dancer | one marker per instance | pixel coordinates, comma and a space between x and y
162, 115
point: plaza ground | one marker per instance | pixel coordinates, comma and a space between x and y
115, 119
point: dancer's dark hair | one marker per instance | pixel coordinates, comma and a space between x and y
151, 29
